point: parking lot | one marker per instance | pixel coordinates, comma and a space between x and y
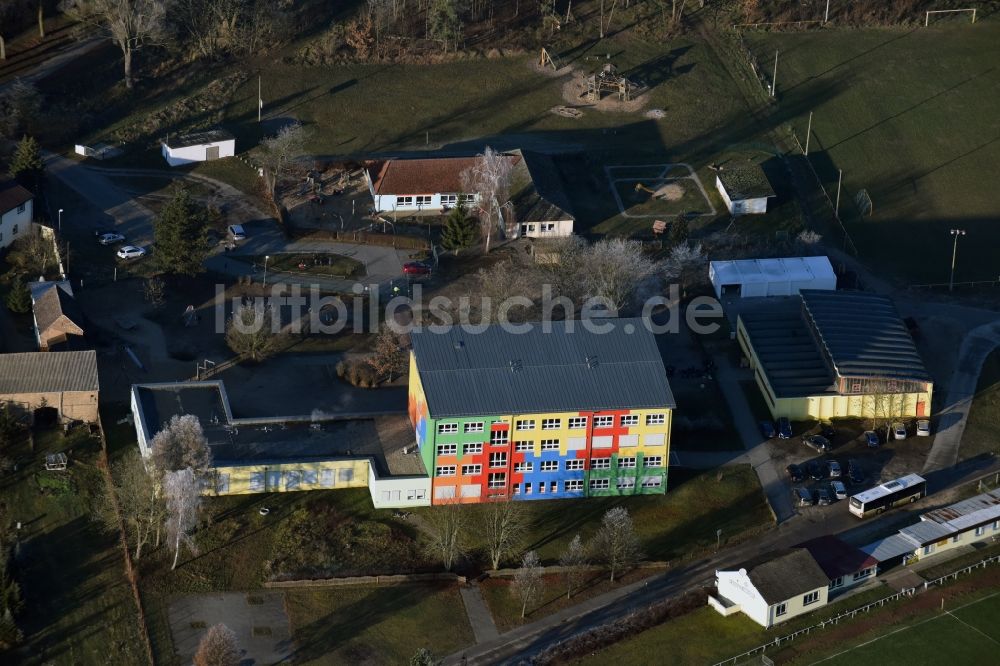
876, 465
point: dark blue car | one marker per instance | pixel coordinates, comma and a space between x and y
784, 428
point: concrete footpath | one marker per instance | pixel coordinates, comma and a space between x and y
483, 627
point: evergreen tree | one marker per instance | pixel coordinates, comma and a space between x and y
459, 230
26, 163
19, 296
180, 233
444, 24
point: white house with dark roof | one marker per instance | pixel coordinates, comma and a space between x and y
772, 588
16, 211
745, 189
198, 147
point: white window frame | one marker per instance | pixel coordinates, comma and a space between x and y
577, 422
625, 483
499, 438
528, 489
573, 486
652, 482
652, 462
837, 582
604, 421
447, 428
656, 419
524, 467
447, 449
449, 199
496, 480
600, 484
629, 420
472, 449
780, 609
424, 199
498, 460
444, 470
525, 424
600, 463
627, 462
981, 530
472, 470
473, 426
574, 465
404, 200
549, 466
551, 424
550, 445
524, 446
811, 598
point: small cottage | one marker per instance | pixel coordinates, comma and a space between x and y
198, 147
744, 188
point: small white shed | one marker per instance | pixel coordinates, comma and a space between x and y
744, 188
745, 278
198, 147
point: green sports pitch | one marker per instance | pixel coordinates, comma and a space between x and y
910, 115
968, 635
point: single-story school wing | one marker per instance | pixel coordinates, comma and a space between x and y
746, 278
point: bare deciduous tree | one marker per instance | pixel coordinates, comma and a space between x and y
503, 524
251, 331
490, 180
388, 357
130, 24
562, 263
217, 27
614, 269
20, 104
218, 647
183, 495
573, 560
181, 444
528, 583
153, 290
687, 264
500, 282
135, 494
279, 151
616, 544
445, 533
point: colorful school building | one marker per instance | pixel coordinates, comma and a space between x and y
561, 410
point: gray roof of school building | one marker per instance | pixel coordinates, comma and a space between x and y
564, 368
44, 372
864, 335
787, 349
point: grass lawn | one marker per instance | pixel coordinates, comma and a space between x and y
982, 431
919, 134
78, 605
320, 263
949, 565
705, 637
384, 625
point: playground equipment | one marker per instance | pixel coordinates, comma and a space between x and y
609, 80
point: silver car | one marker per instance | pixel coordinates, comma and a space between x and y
839, 490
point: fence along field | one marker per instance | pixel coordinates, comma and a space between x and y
918, 133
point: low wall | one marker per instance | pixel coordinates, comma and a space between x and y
397, 579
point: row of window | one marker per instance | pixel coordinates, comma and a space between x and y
427, 199
980, 531
573, 423
499, 460
807, 599
397, 495
292, 479
552, 444
576, 485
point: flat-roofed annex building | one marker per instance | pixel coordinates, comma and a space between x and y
288, 453
834, 354
541, 415
787, 276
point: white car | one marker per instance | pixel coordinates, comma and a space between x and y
131, 252
899, 431
923, 428
110, 238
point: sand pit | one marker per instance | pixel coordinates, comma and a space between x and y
670, 192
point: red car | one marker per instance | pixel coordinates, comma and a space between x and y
416, 268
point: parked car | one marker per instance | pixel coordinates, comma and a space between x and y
131, 252
817, 470
854, 472
834, 468
795, 473
871, 439
767, 429
416, 268
839, 489
237, 232
899, 430
803, 495
817, 442
784, 428
827, 430
824, 496
110, 238
923, 428
100, 231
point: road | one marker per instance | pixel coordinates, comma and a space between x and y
974, 349
56, 62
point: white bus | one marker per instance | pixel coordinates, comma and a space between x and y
908, 488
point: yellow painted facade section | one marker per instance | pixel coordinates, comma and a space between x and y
291, 476
537, 434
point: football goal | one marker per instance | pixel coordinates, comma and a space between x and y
927, 16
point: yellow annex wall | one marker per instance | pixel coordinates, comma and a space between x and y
292, 476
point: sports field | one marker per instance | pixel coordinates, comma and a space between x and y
910, 116
967, 634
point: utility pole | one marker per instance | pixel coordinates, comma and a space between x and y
266, 257
840, 179
774, 76
826, 16
809, 130
260, 100
954, 251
